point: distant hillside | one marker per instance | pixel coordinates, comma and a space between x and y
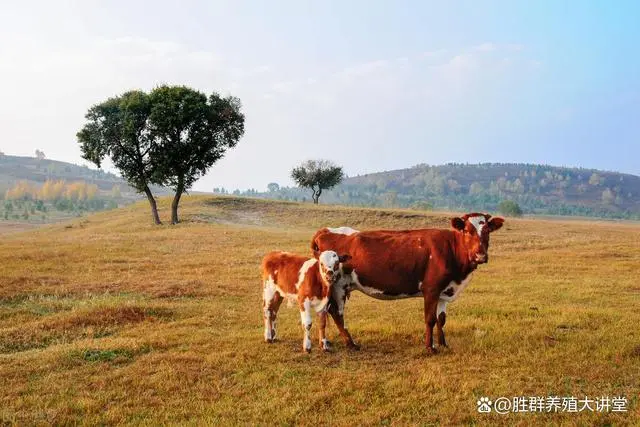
14, 169
538, 189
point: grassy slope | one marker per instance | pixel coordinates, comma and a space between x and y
110, 319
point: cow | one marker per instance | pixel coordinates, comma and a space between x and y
309, 281
434, 264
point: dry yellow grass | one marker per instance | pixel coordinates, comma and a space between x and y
110, 319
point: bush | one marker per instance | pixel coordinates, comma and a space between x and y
509, 208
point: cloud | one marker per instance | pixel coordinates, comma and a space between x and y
486, 47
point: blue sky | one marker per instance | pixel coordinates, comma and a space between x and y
370, 85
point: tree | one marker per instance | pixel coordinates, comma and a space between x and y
115, 192
273, 187
119, 129
595, 179
608, 197
40, 155
317, 175
192, 133
509, 208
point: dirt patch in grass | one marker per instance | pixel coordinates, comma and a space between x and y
76, 325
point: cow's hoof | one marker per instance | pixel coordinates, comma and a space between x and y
327, 347
306, 350
431, 351
269, 340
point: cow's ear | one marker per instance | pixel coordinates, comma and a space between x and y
495, 223
457, 223
344, 258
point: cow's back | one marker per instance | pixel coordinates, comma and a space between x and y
391, 260
284, 269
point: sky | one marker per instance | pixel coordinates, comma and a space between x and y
370, 85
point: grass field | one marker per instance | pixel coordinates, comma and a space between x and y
109, 319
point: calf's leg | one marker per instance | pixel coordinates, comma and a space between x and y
271, 304
324, 342
306, 319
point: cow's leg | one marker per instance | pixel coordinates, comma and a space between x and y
270, 305
441, 317
324, 342
305, 317
430, 305
338, 318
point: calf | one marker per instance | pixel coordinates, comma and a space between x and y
307, 281
429, 263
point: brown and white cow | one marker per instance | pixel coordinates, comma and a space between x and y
309, 281
430, 263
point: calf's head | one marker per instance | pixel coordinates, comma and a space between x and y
330, 266
475, 228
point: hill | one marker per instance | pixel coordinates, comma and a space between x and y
14, 169
538, 189
37, 190
109, 319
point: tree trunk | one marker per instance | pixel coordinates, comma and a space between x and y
316, 195
175, 202
154, 206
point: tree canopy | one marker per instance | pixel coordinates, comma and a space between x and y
317, 175
118, 128
170, 136
192, 133
509, 208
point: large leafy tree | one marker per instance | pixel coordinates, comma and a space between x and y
192, 132
119, 129
317, 175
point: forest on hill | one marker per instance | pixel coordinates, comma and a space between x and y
36, 188
537, 189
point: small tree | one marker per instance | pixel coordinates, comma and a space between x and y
119, 128
40, 155
273, 187
509, 208
192, 132
608, 196
317, 175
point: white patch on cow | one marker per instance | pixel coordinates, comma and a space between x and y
442, 307
328, 259
457, 289
377, 293
303, 271
268, 331
478, 222
347, 231
305, 318
326, 346
269, 290
420, 286
319, 304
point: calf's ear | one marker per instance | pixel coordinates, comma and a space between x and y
457, 223
495, 223
344, 258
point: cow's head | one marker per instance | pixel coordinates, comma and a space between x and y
475, 229
330, 266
